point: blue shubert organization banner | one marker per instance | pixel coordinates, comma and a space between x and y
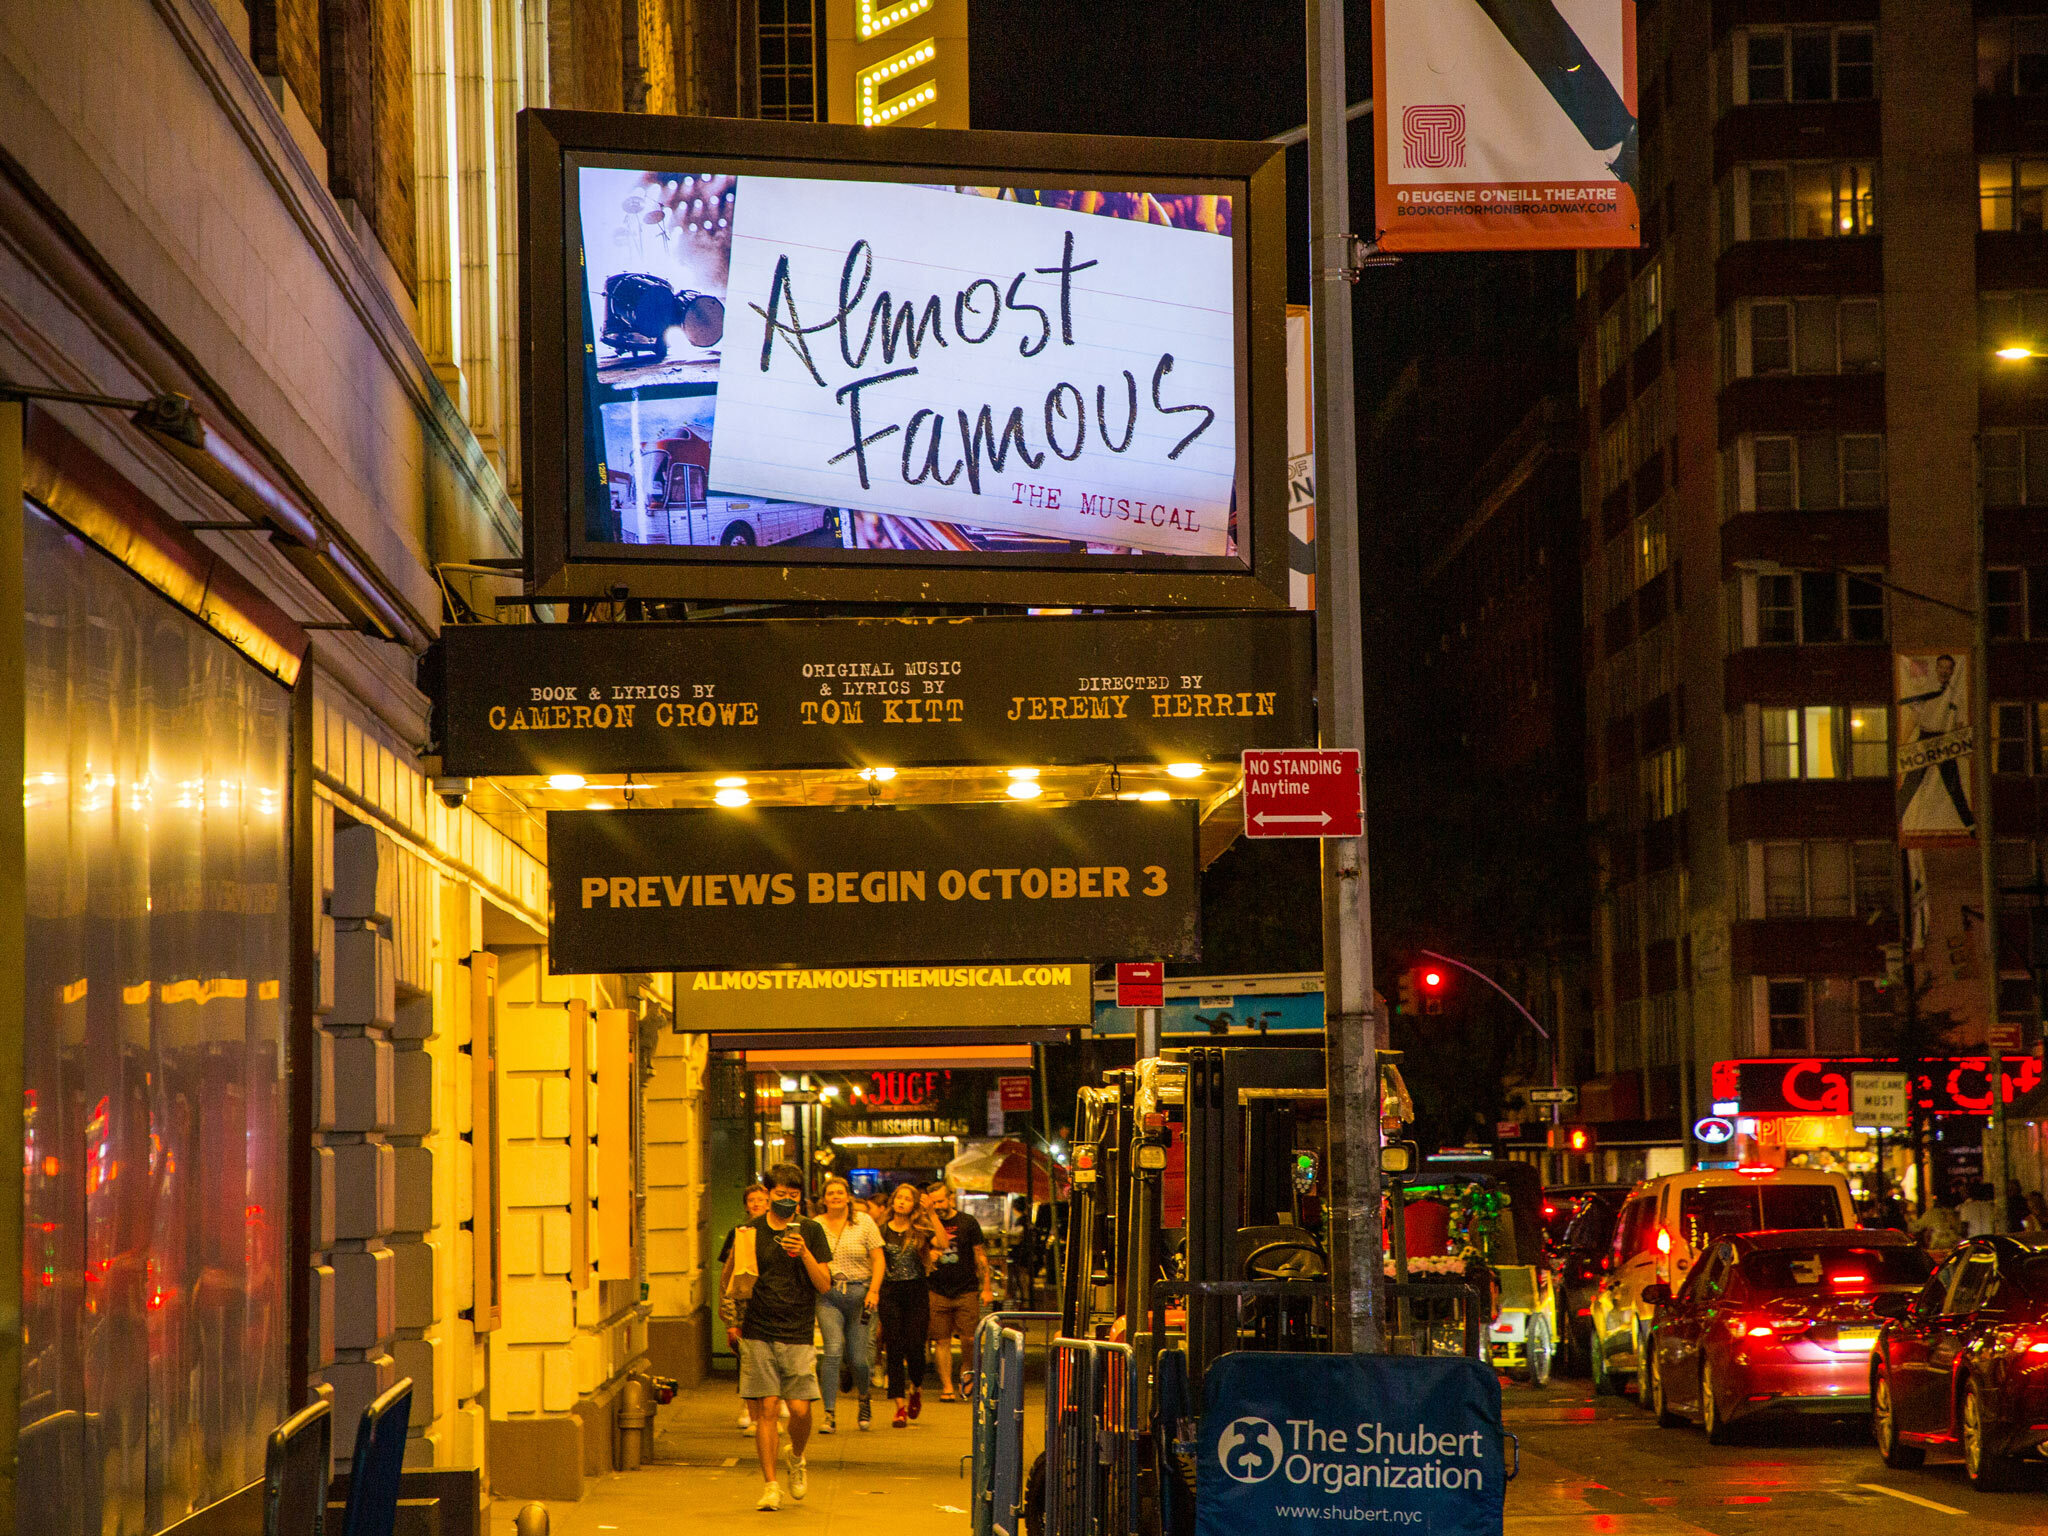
1326, 1443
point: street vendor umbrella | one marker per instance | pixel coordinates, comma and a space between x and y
1015, 1165
971, 1171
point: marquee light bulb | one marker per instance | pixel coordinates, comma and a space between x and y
1155, 795
1185, 770
732, 799
566, 781
730, 781
1024, 789
1023, 773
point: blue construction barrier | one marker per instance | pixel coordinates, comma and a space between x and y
998, 1400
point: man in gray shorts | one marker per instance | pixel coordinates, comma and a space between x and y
778, 1361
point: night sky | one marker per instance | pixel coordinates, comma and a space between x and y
1216, 69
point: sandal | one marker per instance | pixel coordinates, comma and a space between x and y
947, 1397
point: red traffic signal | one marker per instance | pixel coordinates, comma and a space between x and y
1430, 981
1571, 1138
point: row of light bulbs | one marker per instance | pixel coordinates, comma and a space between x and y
731, 790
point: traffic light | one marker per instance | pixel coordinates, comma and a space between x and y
1430, 980
1406, 1002
1571, 1138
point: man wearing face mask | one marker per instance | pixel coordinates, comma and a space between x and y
778, 1361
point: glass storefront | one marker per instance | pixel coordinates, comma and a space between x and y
154, 1328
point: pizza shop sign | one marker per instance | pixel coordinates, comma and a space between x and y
1820, 1085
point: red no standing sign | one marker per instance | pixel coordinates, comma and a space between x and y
1312, 792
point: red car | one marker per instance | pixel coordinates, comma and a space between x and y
1776, 1322
1964, 1362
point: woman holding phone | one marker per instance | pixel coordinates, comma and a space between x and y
846, 1312
907, 1255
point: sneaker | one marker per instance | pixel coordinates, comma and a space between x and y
770, 1500
782, 1413
799, 1468
901, 1421
916, 1402
867, 1413
828, 1423
746, 1423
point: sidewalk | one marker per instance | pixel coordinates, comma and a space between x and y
895, 1482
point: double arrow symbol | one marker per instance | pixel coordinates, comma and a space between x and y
1321, 819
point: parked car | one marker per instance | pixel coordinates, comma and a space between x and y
1584, 1215
1774, 1322
1670, 1223
1963, 1362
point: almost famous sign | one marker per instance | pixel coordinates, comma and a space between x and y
992, 362
802, 345
891, 886
607, 698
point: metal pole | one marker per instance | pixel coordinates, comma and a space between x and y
1987, 847
1348, 1003
1147, 1031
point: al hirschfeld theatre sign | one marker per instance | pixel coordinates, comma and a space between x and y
608, 698
870, 887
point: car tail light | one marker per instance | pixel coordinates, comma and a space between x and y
1774, 1327
1849, 1282
1664, 1240
2033, 1341
1756, 1170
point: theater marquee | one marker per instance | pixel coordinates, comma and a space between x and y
610, 698
885, 886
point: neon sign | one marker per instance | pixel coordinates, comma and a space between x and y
1819, 1085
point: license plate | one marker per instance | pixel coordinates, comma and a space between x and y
1856, 1338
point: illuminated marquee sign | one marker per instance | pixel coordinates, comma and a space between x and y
897, 61
1821, 1085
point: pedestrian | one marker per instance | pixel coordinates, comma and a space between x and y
1978, 1213
905, 1302
778, 1361
2015, 1206
962, 1284
2037, 1211
1939, 1227
730, 1306
846, 1312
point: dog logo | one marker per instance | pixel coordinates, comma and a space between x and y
1249, 1450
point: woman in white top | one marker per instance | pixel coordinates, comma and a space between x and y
846, 1311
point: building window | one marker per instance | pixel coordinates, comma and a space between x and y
1823, 741
1801, 200
2012, 56
2013, 319
1613, 341
1785, 1005
1652, 546
1777, 336
787, 77
2012, 193
1817, 608
1820, 878
1816, 471
1615, 462
2016, 606
2019, 737
1806, 64
1649, 299
1662, 775
2015, 468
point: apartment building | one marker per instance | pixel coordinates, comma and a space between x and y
1786, 395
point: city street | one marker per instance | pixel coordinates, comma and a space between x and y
1601, 1465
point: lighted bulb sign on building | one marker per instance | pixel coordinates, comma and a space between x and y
897, 61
